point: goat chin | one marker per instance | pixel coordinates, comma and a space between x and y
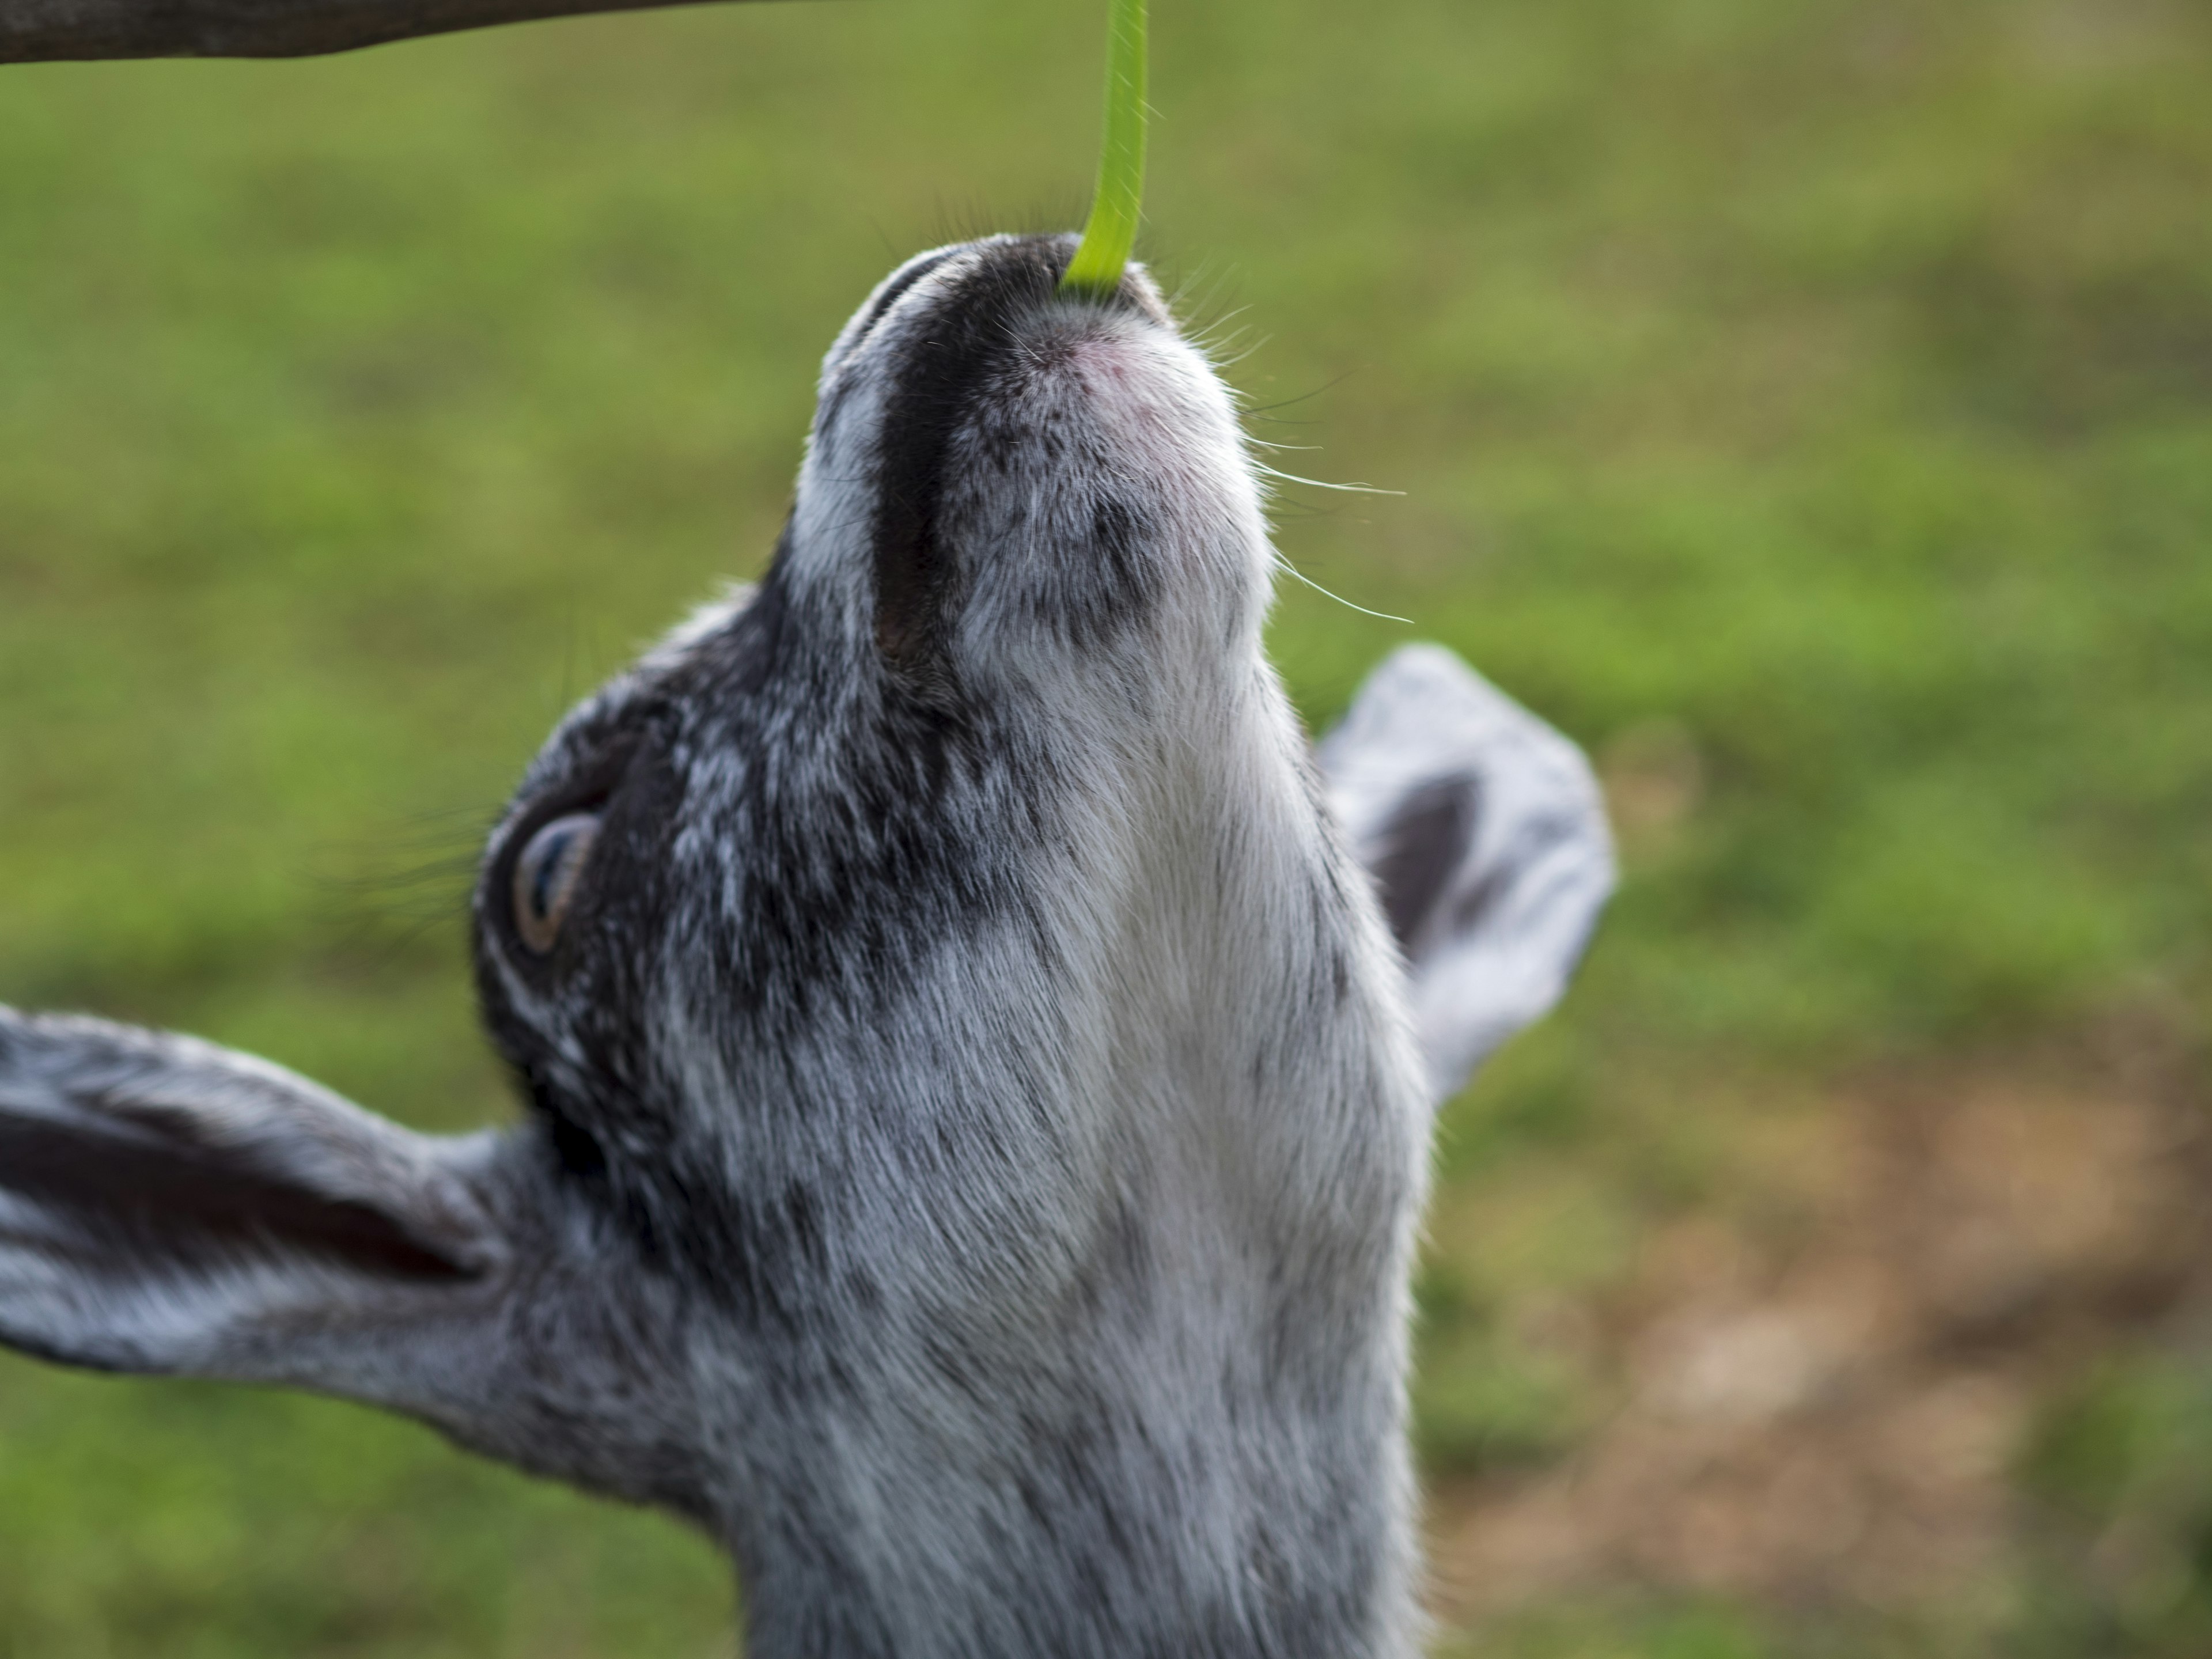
976, 1122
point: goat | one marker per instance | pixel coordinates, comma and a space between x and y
978, 1059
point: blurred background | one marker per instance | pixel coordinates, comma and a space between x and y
1807, 406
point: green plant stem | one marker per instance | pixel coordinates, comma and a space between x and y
1112, 231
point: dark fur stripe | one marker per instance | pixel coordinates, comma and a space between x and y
1424, 842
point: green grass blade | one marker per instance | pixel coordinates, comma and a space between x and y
1112, 232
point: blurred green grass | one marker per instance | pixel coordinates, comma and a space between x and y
1808, 406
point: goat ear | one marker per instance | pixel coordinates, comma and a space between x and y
166, 1206
1485, 835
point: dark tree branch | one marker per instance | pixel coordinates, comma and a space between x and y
45, 31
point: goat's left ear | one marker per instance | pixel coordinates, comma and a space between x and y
170, 1206
1485, 835
166, 1206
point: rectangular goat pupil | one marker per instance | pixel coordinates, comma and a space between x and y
550, 860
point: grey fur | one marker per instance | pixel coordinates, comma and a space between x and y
977, 1130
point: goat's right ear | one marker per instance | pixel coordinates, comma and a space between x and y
170, 1206
1484, 832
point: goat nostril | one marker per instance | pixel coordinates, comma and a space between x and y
546, 875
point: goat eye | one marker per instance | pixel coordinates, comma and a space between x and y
546, 874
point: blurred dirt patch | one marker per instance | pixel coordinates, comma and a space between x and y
1820, 1384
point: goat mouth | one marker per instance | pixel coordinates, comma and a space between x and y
966, 331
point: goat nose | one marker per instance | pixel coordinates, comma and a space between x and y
893, 289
